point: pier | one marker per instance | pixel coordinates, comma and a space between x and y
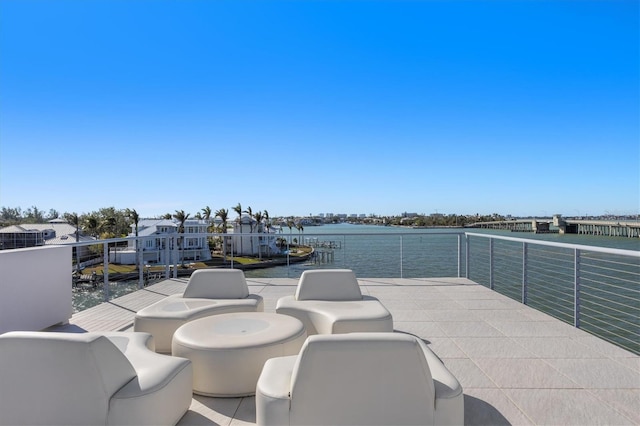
323, 250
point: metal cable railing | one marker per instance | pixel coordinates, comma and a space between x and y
594, 288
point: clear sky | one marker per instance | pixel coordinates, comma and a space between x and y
299, 107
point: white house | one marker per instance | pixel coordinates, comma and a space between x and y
250, 245
192, 245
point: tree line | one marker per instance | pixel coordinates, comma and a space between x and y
109, 222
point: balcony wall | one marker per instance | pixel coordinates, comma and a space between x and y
35, 287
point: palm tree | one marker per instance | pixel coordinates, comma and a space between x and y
181, 217
108, 226
74, 220
223, 214
267, 221
290, 224
300, 229
250, 213
267, 224
92, 224
206, 216
258, 217
206, 213
238, 209
135, 218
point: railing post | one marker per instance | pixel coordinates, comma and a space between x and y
232, 248
491, 264
167, 258
401, 256
140, 255
459, 254
576, 288
525, 247
344, 251
105, 271
288, 258
467, 256
176, 257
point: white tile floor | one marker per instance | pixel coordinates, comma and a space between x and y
517, 366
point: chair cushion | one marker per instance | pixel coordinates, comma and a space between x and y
362, 378
327, 317
328, 284
161, 392
217, 284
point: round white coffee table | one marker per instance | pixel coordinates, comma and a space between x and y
228, 351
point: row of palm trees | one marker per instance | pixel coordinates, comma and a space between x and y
207, 214
108, 222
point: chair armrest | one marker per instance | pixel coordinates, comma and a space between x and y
273, 390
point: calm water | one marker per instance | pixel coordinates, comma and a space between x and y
414, 253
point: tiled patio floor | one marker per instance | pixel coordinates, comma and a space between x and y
517, 366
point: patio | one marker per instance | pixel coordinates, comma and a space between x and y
516, 365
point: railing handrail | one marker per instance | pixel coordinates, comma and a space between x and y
622, 252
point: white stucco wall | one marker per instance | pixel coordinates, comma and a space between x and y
35, 287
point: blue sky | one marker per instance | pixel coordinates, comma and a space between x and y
299, 107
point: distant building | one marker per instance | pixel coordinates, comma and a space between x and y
54, 232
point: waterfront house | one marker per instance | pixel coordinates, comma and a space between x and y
193, 245
240, 243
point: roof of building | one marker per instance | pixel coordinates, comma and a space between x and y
150, 226
65, 233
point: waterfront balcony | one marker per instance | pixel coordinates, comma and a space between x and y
536, 332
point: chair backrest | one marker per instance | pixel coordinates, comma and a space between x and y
217, 284
362, 378
59, 378
328, 284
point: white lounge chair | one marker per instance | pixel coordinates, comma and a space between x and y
89, 379
330, 301
359, 379
208, 292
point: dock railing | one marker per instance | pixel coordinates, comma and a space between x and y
594, 288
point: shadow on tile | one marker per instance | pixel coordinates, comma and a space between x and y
479, 412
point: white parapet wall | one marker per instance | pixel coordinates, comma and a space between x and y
35, 287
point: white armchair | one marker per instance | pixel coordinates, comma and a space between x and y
208, 292
329, 301
90, 378
359, 379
